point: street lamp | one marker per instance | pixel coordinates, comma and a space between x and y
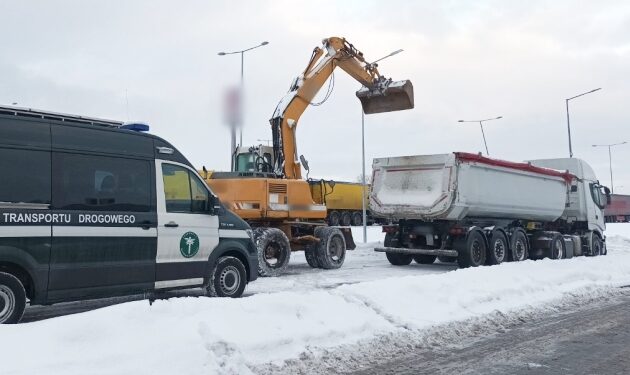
363, 208
569, 123
612, 187
242, 98
482, 132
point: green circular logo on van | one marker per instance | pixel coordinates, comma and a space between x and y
189, 245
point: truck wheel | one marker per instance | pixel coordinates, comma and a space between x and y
357, 218
331, 249
424, 259
397, 259
346, 219
444, 259
518, 246
597, 246
556, 247
474, 252
274, 251
498, 250
333, 218
12, 299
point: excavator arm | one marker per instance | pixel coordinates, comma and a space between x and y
378, 94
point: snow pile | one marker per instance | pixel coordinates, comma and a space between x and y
225, 336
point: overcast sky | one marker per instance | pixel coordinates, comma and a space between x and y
466, 59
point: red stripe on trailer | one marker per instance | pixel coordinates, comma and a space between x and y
527, 167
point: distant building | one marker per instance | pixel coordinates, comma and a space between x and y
619, 209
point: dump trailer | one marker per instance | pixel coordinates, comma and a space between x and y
474, 210
342, 200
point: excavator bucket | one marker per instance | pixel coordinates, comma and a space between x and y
397, 96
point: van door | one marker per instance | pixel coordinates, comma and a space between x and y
104, 235
187, 229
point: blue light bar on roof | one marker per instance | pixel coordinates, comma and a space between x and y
135, 126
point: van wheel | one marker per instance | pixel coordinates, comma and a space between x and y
331, 249
357, 218
473, 250
424, 259
518, 246
12, 299
346, 219
227, 278
498, 251
333, 218
274, 251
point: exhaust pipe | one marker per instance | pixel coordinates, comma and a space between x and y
387, 96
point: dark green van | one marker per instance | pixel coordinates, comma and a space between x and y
92, 208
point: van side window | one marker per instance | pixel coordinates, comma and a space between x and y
29, 174
183, 191
101, 183
199, 194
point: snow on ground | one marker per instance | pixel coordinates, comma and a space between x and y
304, 312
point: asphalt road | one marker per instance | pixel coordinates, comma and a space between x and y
592, 340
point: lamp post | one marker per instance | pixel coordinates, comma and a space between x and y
482, 132
612, 186
242, 99
569, 123
363, 208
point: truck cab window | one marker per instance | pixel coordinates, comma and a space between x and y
599, 197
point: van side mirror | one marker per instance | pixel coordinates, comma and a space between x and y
214, 205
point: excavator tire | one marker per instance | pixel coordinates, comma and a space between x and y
331, 249
274, 251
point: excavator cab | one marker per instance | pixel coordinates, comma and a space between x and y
387, 96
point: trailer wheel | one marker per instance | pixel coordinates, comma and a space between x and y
474, 252
346, 219
12, 299
556, 247
498, 250
333, 218
424, 259
331, 249
396, 259
444, 259
357, 218
519, 246
274, 251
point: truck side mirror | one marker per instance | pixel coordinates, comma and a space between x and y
608, 198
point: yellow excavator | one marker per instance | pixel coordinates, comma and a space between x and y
267, 188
